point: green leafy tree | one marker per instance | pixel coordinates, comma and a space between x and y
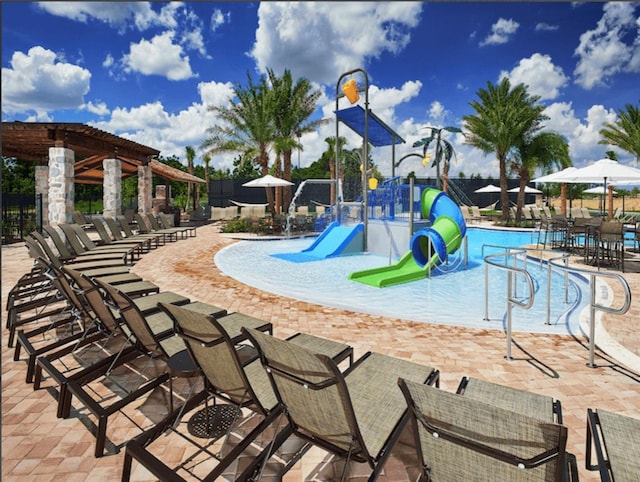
544, 150
505, 118
294, 103
624, 132
246, 125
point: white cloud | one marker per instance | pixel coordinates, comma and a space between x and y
36, 81
602, 52
100, 108
215, 93
316, 40
501, 31
218, 18
539, 73
160, 56
582, 134
108, 61
545, 27
119, 15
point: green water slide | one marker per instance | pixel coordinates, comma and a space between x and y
429, 246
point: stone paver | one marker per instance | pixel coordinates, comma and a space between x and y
36, 445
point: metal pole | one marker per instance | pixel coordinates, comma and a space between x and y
486, 292
410, 207
509, 307
592, 322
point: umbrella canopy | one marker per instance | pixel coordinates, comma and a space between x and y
596, 190
559, 176
488, 188
267, 181
604, 171
527, 190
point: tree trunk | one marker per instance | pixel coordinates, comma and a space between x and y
286, 194
504, 195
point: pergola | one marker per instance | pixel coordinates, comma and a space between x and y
30, 141
89, 148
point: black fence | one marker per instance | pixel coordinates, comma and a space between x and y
21, 214
223, 192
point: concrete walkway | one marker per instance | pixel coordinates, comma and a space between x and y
38, 446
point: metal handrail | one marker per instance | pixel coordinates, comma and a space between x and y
593, 305
511, 297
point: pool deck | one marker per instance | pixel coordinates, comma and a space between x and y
37, 445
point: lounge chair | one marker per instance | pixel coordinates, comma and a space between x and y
475, 213
459, 437
80, 243
116, 232
358, 414
232, 377
139, 246
147, 227
156, 239
167, 222
615, 439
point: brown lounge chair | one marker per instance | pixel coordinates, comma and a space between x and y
233, 376
484, 434
358, 414
616, 441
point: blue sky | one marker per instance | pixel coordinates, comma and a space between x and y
149, 70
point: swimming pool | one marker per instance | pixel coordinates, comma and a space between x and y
455, 298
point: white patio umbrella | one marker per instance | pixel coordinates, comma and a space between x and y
527, 190
268, 181
603, 171
597, 190
489, 188
559, 176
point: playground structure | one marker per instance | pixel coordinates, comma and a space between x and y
387, 219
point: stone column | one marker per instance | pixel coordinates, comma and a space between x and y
112, 188
145, 188
61, 187
42, 187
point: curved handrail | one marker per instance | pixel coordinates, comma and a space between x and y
511, 270
593, 304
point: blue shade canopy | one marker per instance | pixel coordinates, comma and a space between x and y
380, 134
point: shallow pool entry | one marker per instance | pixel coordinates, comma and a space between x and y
452, 298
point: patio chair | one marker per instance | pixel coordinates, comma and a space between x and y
101, 258
116, 232
138, 246
458, 437
615, 439
475, 213
165, 221
80, 219
233, 376
157, 239
145, 227
358, 414
611, 238
81, 243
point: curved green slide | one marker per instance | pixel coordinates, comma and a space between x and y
429, 246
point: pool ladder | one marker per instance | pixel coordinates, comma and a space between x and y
561, 263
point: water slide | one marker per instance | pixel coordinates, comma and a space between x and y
334, 241
429, 246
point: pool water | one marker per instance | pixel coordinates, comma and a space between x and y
452, 298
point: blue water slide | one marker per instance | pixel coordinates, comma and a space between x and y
335, 240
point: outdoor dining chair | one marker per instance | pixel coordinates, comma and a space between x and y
357, 415
615, 438
459, 437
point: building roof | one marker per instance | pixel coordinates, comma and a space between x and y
30, 141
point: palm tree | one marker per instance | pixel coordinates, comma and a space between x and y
625, 132
246, 126
206, 160
545, 150
190, 204
444, 152
505, 117
294, 104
